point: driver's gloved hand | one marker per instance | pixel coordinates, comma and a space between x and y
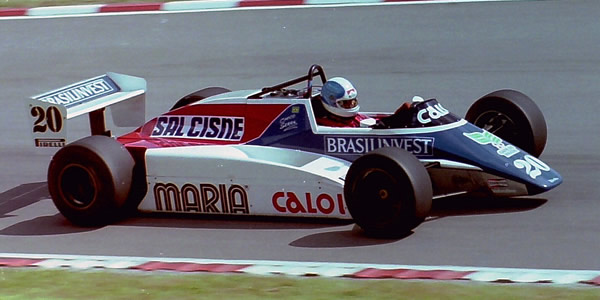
380, 125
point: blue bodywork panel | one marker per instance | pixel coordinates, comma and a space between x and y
433, 134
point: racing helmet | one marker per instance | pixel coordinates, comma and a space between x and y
339, 97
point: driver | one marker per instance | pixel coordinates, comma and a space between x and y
338, 98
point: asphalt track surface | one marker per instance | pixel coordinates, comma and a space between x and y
454, 52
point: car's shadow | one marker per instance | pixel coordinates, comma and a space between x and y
445, 207
23, 196
333, 233
468, 205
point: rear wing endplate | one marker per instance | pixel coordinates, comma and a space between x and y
49, 112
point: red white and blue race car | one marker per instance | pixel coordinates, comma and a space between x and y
263, 153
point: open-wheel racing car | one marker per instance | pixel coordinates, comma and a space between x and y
262, 152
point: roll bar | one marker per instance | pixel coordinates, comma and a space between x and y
314, 70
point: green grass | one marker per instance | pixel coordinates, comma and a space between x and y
64, 284
39, 3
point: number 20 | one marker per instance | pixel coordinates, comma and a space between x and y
533, 166
50, 118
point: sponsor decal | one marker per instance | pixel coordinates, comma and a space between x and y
497, 183
500, 186
487, 138
288, 123
530, 164
435, 112
82, 92
422, 146
50, 142
351, 93
290, 202
200, 127
201, 198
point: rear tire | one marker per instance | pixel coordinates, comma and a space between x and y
89, 180
388, 192
199, 95
512, 116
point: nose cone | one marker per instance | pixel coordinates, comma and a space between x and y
544, 178
478, 147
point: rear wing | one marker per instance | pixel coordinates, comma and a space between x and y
49, 112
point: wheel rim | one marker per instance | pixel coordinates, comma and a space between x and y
499, 124
377, 192
77, 186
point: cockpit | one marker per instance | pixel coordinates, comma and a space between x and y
419, 113
416, 114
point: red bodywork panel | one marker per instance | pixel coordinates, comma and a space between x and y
176, 128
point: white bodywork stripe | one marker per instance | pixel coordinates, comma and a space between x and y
255, 180
374, 132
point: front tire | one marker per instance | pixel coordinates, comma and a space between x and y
89, 180
388, 192
512, 116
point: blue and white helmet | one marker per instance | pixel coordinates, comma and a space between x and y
339, 97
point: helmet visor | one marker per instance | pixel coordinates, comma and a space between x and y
347, 104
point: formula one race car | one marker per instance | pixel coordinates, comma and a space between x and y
262, 152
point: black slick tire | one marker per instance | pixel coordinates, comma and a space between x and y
512, 116
90, 179
388, 192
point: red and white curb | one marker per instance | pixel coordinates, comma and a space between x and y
312, 269
180, 6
